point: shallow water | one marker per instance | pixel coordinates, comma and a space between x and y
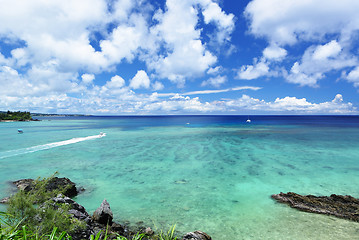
214, 174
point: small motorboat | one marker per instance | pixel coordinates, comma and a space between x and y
102, 134
20, 131
248, 120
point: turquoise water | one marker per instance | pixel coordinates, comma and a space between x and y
214, 174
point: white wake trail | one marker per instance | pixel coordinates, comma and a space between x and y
21, 151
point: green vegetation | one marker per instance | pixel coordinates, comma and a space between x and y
40, 216
15, 116
31, 215
169, 235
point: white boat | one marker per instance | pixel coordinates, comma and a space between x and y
248, 120
102, 134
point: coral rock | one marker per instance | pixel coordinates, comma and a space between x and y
103, 214
197, 235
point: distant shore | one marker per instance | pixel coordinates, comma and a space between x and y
33, 120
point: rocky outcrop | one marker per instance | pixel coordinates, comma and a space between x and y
66, 185
102, 218
54, 183
340, 206
24, 184
76, 210
62, 183
197, 235
103, 214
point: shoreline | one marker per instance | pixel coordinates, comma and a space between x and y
34, 120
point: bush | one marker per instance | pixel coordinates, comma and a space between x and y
41, 215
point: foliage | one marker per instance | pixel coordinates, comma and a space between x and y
40, 215
138, 236
16, 116
31, 215
169, 235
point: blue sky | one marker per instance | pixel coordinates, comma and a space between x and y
130, 57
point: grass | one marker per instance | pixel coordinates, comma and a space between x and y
32, 215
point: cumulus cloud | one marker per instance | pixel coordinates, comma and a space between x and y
290, 105
317, 61
293, 22
286, 22
274, 53
186, 55
353, 76
215, 81
157, 86
331, 49
223, 21
95, 36
215, 70
87, 78
140, 80
115, 82
258, 69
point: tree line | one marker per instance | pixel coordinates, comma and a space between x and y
15, 116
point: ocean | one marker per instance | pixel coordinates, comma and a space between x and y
210, 173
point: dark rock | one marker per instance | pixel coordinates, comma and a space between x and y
62, 183
24, 184
54, 183
197, 235
76, 210
118, 227
103, 214
340, 206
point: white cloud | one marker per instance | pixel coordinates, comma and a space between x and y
331, 49
186, 56
296, 76
140, 80
116, 82
274, 52
259, 69
215, 70
290, 105
125, 40
215, 81
87, 78
58, 41
353, 77
225, 22
157, 86
12, 83
317, 61
293, 22
286, 22
209, 91
179, 104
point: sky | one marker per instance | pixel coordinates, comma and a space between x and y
159, 57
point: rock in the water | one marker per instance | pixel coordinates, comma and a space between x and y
24, 184
5, 200
346, 207
103, 214
197, 235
